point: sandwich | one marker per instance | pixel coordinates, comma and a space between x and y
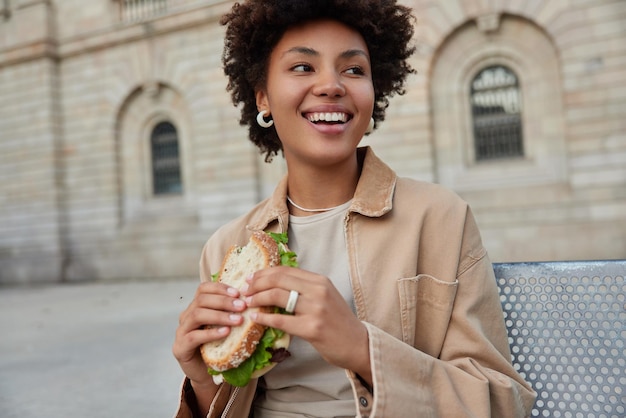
251, 349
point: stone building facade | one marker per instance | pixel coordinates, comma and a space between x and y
86, 88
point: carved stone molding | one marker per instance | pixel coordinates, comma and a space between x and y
489, 22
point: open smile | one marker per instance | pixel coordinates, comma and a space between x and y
328, 117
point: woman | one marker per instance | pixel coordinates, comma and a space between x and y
398, 312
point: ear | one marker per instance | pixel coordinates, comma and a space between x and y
262, 102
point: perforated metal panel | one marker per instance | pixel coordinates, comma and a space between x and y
566, 325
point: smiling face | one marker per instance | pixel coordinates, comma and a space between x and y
319, 92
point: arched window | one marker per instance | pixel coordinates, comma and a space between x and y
496, 114
166, 178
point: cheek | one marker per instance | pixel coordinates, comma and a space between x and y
284, 96
365, 102
284, 114
363, 95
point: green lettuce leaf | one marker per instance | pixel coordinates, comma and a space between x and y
240, 376
287, 258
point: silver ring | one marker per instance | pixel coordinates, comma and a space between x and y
291, 302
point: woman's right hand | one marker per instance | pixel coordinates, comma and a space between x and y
213, 310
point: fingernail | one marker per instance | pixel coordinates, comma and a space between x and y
253, 316
222, 330
244, 288
238, 303
249, 278
232, 291
248, 300
235, 317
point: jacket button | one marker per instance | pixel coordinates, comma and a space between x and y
363, 402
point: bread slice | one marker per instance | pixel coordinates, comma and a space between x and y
260, 252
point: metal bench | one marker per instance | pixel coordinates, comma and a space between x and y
566, 323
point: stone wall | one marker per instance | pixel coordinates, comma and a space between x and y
567, 199
31, 214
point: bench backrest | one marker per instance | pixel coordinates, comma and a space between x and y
566, 323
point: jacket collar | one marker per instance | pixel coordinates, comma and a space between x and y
372, 198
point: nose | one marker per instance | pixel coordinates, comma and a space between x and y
329, 84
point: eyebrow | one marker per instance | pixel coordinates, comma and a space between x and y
312, 52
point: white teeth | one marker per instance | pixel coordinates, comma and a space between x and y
328, 117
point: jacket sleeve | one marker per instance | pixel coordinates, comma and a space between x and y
187, 402
471, 377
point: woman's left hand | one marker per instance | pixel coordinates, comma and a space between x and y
321, 315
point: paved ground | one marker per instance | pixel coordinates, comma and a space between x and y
97, 350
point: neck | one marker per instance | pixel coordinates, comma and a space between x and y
321, 190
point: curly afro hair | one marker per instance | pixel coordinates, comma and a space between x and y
254, 27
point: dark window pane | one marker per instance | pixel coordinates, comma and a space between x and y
165, 160
496, 114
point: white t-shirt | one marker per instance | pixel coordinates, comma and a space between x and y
305, 385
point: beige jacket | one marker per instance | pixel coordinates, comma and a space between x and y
424, 287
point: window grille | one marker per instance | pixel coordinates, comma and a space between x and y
165, 160
496, 114
137, 10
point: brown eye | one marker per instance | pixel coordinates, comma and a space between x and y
355, 71
302, 68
